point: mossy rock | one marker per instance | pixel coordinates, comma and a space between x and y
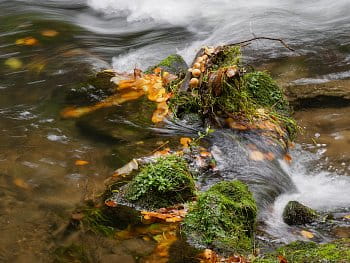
308, 252
296, 213
223, 218
164, 183
174, 64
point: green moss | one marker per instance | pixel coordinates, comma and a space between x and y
223, 218
71, 253
297, 214
265, 92
163, 183
174, 64
309, 252
228, 56
95, 220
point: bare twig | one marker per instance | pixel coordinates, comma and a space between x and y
265, 38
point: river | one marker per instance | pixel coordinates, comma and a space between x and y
48, 49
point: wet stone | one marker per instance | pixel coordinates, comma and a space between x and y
296, 213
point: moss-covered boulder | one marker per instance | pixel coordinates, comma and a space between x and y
174, 64
223, 218
163, 183
296, 213
308, 252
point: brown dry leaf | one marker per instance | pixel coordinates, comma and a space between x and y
127, 168
282, 259
306, 234
270, 156
13, 63
163, 152
27, 41
185, 142
160, 113
21, 183
256, 156
288, 158
49, 33
235, 125
111, 203
81, 162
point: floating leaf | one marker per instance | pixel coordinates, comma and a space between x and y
288, 158
21, 183
81, 162
185, 141
49, 33
13, 63
256, 156
27, 41
306, 234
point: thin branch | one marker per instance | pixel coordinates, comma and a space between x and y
265, 38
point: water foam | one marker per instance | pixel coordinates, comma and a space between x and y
320, 190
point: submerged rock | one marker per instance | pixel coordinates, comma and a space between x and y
297, 214
223, 218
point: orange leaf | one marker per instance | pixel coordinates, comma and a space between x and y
21, 183
111, 203
160, 153
185, 141
27, 41
270, 156
205, 154
49, 33
81, 162
282, 259
256, 156
288, 158
160, 113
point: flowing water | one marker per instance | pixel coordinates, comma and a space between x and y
40, 185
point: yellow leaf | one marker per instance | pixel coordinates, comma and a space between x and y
160, 113
256, 156
306, 234
347, 217
27, 41
81, 162
49, 33
13, 63
185, 141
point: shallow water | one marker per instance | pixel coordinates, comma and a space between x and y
40, 185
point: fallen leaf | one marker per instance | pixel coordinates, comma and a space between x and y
163, 152
288, 158
306, 234
27, 41
205, 154
347, 217
21, 183
270, 156
81, 162
13, 63
49, 33
256, 156
282, 259
185, 141
127, 168
111, 203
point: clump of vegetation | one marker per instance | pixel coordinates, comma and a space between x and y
296, 213
163, 183
227, 90
301, 252
97, 221
223, 218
